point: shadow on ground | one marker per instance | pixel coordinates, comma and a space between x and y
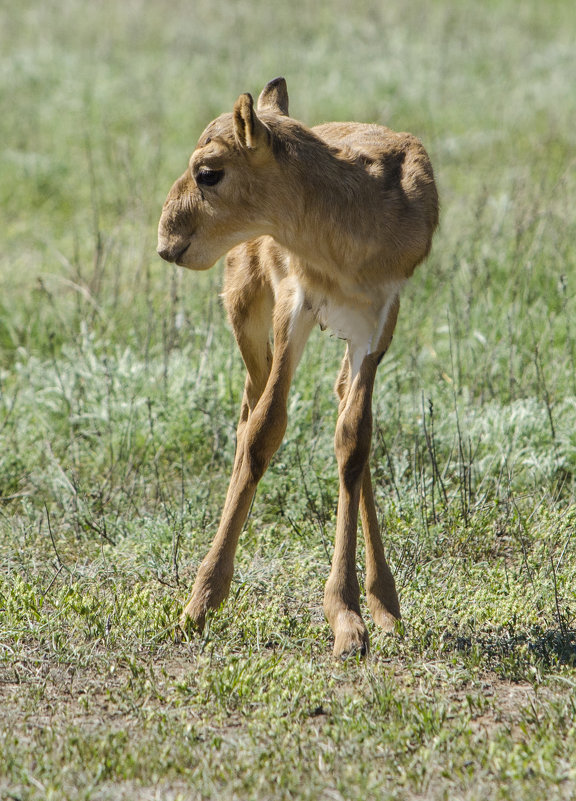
556, 646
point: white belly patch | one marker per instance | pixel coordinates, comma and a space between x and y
361, 326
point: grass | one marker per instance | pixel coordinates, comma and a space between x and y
120, 384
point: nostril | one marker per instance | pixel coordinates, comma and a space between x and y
171, 255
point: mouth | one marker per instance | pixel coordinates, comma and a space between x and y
173, 256
178, 259
187, 257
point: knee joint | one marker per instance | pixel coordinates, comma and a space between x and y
352, 448
264, 436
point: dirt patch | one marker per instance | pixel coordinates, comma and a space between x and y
40, 690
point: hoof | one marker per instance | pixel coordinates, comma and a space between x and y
383, 618
382, 600
351, 635
193, 617
208, 594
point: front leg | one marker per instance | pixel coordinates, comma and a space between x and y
261, 431
215, 573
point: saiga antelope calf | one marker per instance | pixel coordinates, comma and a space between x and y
321, 225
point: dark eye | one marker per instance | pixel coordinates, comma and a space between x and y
206, 177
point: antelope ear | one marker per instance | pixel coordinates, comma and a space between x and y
249, 130
274, 97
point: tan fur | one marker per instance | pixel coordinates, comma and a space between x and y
320, 225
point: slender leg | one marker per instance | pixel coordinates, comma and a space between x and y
380, 586
260, 435
251, 323
352, 445
381, 593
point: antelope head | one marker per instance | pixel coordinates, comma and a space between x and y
226, 196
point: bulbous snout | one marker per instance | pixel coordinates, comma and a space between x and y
176, 227
169, 253
175, 233
184, 232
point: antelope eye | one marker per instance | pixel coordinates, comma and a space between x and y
206, 177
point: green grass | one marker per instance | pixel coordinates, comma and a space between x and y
120, 383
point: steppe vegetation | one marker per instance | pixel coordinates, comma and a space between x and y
120, 384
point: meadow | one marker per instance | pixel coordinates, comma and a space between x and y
120, 384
